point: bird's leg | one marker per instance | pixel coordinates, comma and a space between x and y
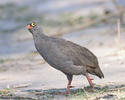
89, 80
69, 77
67, 89
68, 86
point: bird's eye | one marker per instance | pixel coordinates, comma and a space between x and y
33, 24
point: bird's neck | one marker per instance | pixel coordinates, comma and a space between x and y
39, 35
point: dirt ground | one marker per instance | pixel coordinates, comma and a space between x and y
29, 72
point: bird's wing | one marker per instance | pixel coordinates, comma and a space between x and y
78, 54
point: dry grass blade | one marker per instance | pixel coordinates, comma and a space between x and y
22, 85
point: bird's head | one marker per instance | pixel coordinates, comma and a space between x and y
32, 27
35, 29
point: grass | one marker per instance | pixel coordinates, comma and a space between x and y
2, 60
93, 16
5, 60
117, 93
84, 93
8, 94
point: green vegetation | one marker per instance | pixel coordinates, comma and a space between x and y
2, 60
103, 92
19, 15
5, 60
93, 16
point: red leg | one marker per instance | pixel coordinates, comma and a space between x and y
89, 80
68, 87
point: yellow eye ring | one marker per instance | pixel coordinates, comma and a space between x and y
33, 24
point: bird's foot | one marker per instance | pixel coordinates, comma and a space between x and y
71, 86
66, 92
63, 93
91, 79
90, 90
60, 93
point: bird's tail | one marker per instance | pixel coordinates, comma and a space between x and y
99, 73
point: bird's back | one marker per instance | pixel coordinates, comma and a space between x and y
80, 56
